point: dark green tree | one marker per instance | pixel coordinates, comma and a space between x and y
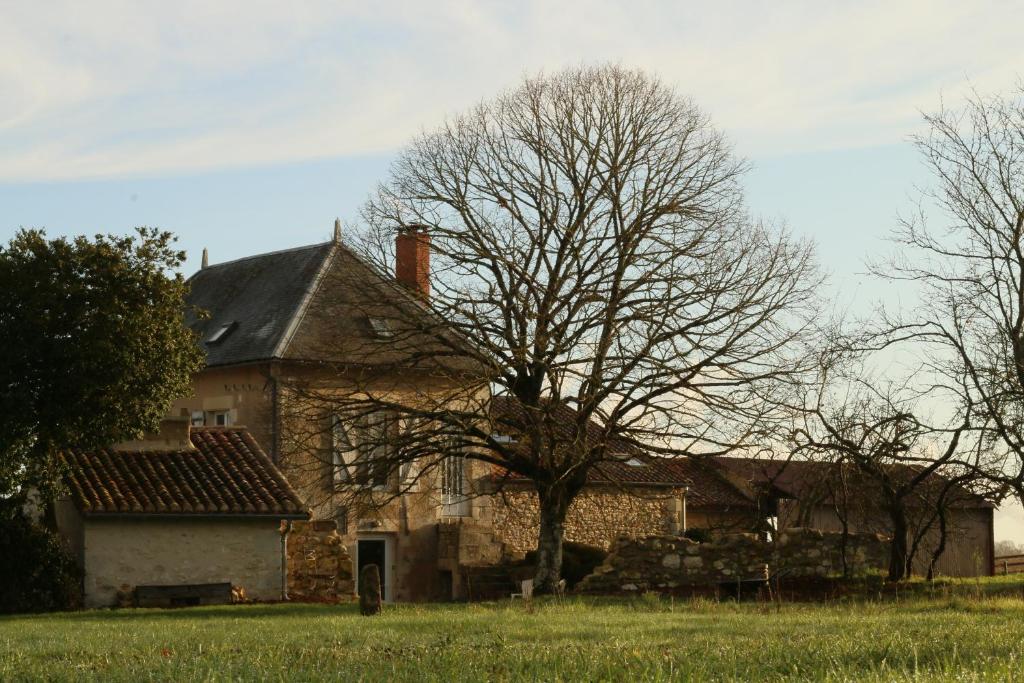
92, 346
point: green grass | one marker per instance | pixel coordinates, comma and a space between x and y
960, 634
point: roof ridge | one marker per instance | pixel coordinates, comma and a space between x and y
256, 256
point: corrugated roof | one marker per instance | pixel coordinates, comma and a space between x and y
227, 474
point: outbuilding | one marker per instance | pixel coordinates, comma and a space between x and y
179, 512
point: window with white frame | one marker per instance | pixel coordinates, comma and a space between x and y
454, 496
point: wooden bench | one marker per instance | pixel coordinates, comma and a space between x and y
183, 595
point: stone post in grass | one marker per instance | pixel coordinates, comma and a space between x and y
369, 590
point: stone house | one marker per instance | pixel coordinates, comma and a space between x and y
821, 495
307, 313
182, 507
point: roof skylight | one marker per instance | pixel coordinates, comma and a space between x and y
221, 332
381, 327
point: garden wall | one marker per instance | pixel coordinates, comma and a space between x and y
319, 566
669, 562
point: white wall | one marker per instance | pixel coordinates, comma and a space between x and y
147, 551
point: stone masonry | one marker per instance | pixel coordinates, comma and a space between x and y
669, 562
319, 566
595, 518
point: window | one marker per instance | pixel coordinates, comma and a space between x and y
361, 448
635, 462
454, 501
213, 418
198, 419
502, 438
221, 332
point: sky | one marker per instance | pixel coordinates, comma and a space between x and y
245, 127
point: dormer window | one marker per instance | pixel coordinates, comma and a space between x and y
221, 332
381, 327
635, 462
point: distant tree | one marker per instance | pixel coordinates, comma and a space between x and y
589, 250
1006, 547
92, 346
969, 274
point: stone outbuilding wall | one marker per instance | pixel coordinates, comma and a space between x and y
319, 565
668, 562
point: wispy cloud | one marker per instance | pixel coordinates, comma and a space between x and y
109, 88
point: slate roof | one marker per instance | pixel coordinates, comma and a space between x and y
316, 303
263, 295
809, 479
632, 465
227, 475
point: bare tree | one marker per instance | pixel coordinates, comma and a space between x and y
593, 268
969, 324
852, 421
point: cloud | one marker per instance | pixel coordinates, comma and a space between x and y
110, 89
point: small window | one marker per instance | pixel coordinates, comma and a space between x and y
198, 419
218, 418
635, 462
221, 332
381, 328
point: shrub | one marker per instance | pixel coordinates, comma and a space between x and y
37, 574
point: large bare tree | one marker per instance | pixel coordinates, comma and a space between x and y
969, 274
592, 265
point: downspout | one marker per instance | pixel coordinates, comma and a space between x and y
686, 491
285, 530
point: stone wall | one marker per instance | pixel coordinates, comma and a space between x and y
151, 551
319, 565
664, 563
595, 518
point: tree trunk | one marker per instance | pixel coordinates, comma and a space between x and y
898, 547
554, 504
941, 547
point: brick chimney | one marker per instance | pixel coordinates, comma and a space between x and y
412, 259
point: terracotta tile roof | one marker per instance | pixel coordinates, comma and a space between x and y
632, 465
227, 474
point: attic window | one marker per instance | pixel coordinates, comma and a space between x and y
221, 332
634, 462
381, 327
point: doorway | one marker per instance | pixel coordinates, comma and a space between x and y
376, 550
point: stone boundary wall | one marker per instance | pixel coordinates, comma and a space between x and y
319, 566
596, 517
669, 562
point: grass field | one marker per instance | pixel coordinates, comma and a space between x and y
942, 637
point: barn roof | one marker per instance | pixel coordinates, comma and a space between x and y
806, 479
224, 474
